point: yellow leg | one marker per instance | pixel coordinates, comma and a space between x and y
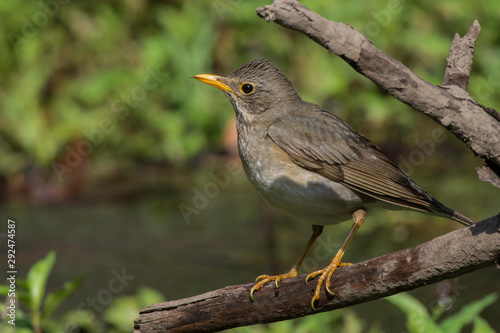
317, 230
327, 272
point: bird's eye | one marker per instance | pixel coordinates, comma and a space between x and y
246, 88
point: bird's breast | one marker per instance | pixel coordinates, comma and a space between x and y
298, 192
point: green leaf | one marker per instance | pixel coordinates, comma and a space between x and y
124, 309
317, 323
437, 312
418, 318
122, 312
351, 323
481, 326
82, 320
22, 284
23, 297
37, 279
467, 315
56, 298
147, 296
4, 290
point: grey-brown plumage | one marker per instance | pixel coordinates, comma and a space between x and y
310, 164
272, 120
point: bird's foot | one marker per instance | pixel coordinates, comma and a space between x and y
326, 274
268, 278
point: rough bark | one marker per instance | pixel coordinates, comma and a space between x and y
444, 257
459, 62
449, 104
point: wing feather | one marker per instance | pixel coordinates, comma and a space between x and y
333, 149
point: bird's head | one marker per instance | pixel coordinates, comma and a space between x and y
255, 88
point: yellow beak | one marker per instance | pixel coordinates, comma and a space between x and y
213, 80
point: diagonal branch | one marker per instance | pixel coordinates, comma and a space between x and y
444, 257
449, 105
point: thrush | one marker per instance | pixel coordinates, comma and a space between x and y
310, 164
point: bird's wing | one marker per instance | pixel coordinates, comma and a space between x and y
333, 149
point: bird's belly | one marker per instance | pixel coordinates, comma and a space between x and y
301, 193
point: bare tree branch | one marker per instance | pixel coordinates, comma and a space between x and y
450, 105
445, 257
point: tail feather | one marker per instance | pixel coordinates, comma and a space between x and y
461, 218
438, 207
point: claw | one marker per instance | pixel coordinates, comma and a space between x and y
264, 276
326, 274
328, 281
313, 275
312, 302
268, 278
251, 292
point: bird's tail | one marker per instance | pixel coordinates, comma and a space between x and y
461, 218
439, 208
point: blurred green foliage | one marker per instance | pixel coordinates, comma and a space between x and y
341, 321
116, 74
417, 317
32, 292
419, 320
